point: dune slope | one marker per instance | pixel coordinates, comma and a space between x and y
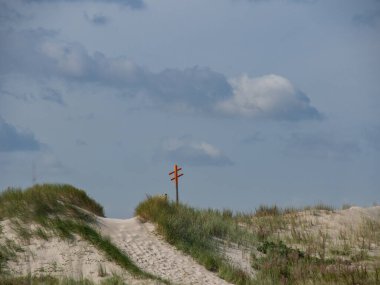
151, 253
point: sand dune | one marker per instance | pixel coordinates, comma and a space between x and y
151, 253
79, 259
75, 259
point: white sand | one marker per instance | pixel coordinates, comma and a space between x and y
341, 228
239, 256
341, 221
151, 253
55, 257
79, 259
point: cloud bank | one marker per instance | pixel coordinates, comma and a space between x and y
192, 152
269, 96
194, 90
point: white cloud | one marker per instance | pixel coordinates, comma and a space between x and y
186, 150
269, 96
195, 90
72, 60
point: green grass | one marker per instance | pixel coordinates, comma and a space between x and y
274, 210
284, 265
321, 262
57, 210
41, 201
195, 232
6, 254
263, 211
43, 280
8, 251
50, 280
282, 247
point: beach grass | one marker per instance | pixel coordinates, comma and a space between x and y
59, 210
283, 248
285, 245
51, 280
197, 233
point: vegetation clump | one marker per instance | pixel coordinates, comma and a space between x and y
61, 210
286, 246
8, 252
282, 245
284, 265
198, 233
42, 201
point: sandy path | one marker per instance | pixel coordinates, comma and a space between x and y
151, 253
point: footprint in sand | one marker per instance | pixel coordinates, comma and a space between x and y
153, 255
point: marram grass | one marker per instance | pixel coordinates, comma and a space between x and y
197, 232
51, 280
57, 209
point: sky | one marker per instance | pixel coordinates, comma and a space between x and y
259, 101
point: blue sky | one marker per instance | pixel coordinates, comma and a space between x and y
260, 102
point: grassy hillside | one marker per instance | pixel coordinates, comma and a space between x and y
196, 232
313, 245
285, 248
55, 210
39, 202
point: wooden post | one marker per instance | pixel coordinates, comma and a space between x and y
175, 178
176, 192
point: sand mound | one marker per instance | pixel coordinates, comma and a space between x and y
75, 259
339, 222
343, 233
78, 259
151, 253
